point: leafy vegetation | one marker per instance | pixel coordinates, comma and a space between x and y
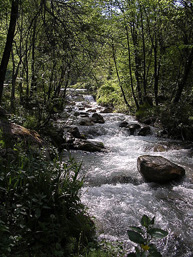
144, 237
41, 213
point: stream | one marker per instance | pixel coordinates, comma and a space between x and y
116, 194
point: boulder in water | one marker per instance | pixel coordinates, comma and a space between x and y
158, 169
73, 132
144, 131
81, 114
133, 127
86, 145
123, 124
86, 121
97, 118
107, 110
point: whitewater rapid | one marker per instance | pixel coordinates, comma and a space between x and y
117, 196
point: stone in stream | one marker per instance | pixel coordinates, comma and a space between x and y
74, 131
86, 145
158, 169
97, 118
106, 110
85, 121
144, 131
123, 124
133, 127
81, 114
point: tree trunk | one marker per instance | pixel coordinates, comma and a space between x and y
57, 91
33, 76
137, 61
144, 55
117, 72
130, 69
183, 81
156, 78
8, 45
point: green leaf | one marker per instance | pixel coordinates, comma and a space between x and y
158, 233
137, 229
145, 221
153, 252
135, 237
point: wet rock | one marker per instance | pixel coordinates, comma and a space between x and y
122, 179
123, 124
82, 114
16, 131
97, 118
81, 108
160, 148
144, 131
107, 110
86, 145
69, 138
55, 134
158, 169
86, 121
133, 127
70, 133
74, 131
91, 110
86, 105
93, 132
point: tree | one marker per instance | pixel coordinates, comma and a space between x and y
8, 45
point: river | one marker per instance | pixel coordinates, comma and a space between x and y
116, 194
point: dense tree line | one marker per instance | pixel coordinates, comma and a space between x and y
152, 47
145, 47
48, 44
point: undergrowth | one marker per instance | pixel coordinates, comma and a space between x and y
40, 209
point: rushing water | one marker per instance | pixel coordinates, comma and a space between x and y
117, 195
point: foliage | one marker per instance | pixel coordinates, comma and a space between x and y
145, 110
109, 94
105, 249
41, 213
143, 236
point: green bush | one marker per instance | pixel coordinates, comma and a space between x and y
41, 213
144, 236
110, 94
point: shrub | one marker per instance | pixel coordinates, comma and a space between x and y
109, 94
41, 212
143, 236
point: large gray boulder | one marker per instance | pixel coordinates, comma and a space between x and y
123, 124
85, 121
133, 127
86, 145
144, 131
97, 118
158, 169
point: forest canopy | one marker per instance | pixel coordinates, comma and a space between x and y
142, 50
